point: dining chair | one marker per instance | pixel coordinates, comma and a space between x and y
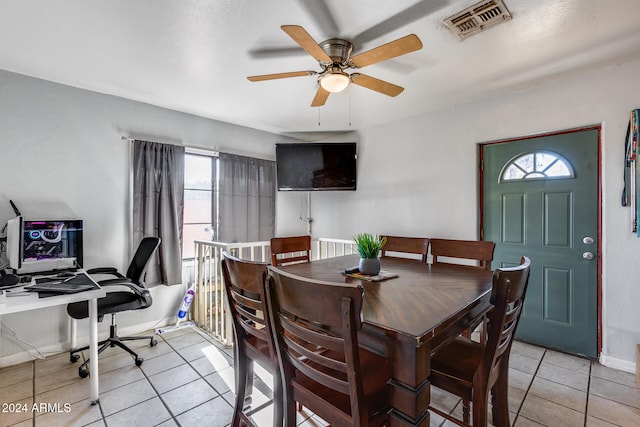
315, 326
478, 250
288, 250
243, 281
407, 245
471, 370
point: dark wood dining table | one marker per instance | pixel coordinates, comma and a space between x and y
408, 317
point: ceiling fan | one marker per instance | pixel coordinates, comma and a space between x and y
334, 57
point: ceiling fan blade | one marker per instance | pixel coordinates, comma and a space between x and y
389, 50
276, 52
320, 13
320, 98
417, 11
378, 85
280, 75
300, 36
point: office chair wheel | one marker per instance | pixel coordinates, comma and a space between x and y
153, 343
74, 358
83, 372
139, 361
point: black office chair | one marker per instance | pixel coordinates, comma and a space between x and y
137, 297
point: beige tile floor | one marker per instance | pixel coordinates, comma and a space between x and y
187, 380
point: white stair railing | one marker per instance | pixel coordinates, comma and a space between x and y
209, 307
329, 248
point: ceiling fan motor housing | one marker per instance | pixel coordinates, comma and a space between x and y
339, 50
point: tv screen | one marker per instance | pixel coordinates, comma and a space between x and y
316, 166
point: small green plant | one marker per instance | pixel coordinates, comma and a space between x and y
369, 245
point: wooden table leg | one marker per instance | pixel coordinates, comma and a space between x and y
409, 388
409, 365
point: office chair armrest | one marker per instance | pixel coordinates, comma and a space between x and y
138, 290
106, 270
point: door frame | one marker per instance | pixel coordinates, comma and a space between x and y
598, 128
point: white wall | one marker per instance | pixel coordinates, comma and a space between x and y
420, 177
61, 153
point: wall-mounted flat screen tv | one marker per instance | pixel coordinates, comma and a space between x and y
326, 166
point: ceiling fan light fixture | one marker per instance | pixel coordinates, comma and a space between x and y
335, 81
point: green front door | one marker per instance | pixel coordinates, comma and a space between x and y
540, 199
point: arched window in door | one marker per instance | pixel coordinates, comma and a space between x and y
536, 165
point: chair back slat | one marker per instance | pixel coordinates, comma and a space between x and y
244, 289
315, 328
243, 282
288, 250
249, 317
507, 297
479, 250
409, 245
308, 334
316, 354
250, 301
328, 371
507, 332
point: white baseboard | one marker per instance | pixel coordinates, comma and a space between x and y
619, 364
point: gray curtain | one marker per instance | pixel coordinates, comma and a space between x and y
158, 202
247, 199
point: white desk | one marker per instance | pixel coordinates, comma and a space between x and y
25, 301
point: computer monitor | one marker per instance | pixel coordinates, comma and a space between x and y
37, 245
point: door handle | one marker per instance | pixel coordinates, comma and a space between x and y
588, 255
587, 240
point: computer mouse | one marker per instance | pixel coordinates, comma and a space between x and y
8, 279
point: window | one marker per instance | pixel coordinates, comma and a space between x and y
536, 165
227, 197
198, 201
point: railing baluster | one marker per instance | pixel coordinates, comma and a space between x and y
209, 311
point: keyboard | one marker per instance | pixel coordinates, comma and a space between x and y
59, 287
62, 284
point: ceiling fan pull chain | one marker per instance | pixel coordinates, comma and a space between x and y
319, 108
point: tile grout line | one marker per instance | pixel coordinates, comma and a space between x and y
104, 418
146, 376
586, 405
173, 416
151, 398
99, 404
526, 393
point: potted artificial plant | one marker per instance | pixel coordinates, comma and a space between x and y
369, 247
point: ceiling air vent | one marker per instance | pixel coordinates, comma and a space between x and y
477, 18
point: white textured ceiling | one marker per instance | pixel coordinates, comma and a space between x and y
194, 55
